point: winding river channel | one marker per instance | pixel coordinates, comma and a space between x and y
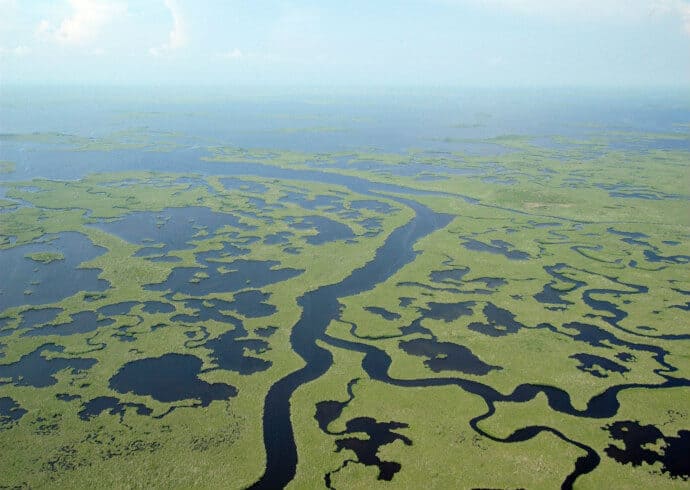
321, 306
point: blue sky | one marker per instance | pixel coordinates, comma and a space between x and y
352, 42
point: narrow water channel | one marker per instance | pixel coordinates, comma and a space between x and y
319, 308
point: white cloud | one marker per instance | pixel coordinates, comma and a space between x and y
178, 36
85, 22
44, 30
679, 8
233, 54
17, 51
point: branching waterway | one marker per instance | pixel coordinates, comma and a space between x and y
322, 306
319, 308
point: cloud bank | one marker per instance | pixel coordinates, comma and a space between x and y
178, 36
84, 23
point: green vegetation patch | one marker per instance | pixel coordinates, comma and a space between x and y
45, 257
548, 315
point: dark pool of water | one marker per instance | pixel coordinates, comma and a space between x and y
153, 307
553, 296
35, 370
382, 312
404, 302
366, 450
327, 230
448, 312
117, 308
169, 229
655, 257
252, 304
66, 397
234, 248
323, 202
599, 337
447, 356
598, 366
230, 353
26, 281
372, 225
453, 276
164, 258
631, 237
499, 180
260, 204
280, 238
10, 411
640, 444
625, 357
112, 405
82, 322
243, 185
545, 224
489, 282
683, 307
230, 350
238, 274
626, 191
37, 317
373, 205
500, 322
495, 247
330, 410
205, 309
266, 331
169, 378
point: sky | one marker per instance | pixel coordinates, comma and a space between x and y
617, 43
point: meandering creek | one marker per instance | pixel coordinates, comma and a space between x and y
319, 308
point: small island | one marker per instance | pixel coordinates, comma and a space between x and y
45, 257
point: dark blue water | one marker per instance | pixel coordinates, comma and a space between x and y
38, 368
26, 281
169, 378
390, 119
319, 308
381, 121
439, 122
170, 228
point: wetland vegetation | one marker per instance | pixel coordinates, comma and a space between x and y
474, 307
